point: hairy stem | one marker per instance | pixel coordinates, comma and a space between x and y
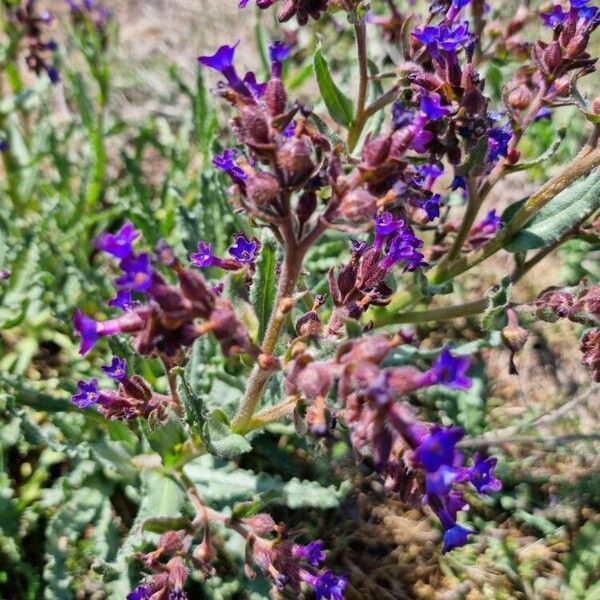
360, 118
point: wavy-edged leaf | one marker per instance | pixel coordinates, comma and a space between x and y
220, 439
567, 210
338, 104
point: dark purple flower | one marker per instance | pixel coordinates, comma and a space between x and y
119, 244
138, 273
458, 183
427, 175
428, 36
451, 39
88, 394
222, 61
440, 481
141, 592
455, 537
404, 248
431, 107
451, 370
587, 13
204, 257
498, 139
4, 145
455, 502
311, 553
326, 585
4, 275
278, 52
481, 474
226, 163
554, 17
401, 116
117, 369
438, 448
431, 206
177, 594
122, 300
244, 250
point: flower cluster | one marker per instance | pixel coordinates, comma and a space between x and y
419, 461
163, 321
31, 24
89, 11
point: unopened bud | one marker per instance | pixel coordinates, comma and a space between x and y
596, 106
552, 57
514, 337
308, 324
314, 380
577, 45
262, 188
253, 125
519, 98
562, 86
275, 96
376, 150
294, 159
357, 206
262, 523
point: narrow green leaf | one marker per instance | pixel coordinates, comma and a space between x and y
338, 104
567, 210
264, 284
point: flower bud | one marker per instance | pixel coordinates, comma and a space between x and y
307, 204
552, 57
137, 388
275, 96
262, 188
286, 11
309, 324
577, 45
376, 150
519, 98
357, 206
590, 346
553, 304
514, 337
253, 125
562, 86
314, 380
294, 159
596, 106
262, 523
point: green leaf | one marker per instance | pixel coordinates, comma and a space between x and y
264, 285
567, 210
220, 439
338, 104
494, 317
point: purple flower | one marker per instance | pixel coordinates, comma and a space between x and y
226, 163
554, 17
88, 394
177, 594
119, 244
141, 592
455, 502
427, 174
451, 371
431, 206
278, 52
117, 369
204, 257
404, 248
401, 116
431, 107
122, 300
311, 553
244, 250
222, 61
386, 225
481, 474
257, 89
498, 139
326, 585
440, 481
438, 448
87, 329
455, 537
138, 273
491, 223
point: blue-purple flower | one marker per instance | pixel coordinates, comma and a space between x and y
117, 369
498, 139
141, 592
438, 448
278, 53
401, 115
222, 61
327, 585
204, 257
385, 225
481, 474
120, 244
123, 300
455, 537
226, 163
244, 250
556, 16
138, 273
312, 553
491, 223
451, 370
431, 206
87, 329
431, 106
87, 395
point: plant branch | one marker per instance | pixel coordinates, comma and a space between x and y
359, 120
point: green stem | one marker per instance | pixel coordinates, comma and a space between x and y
577, 168
360, 118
